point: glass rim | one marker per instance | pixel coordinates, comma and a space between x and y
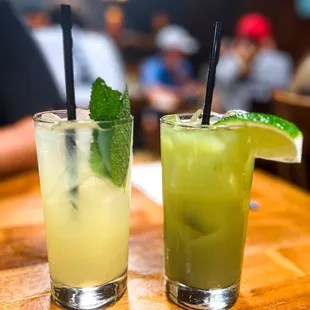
163, 120
38, 119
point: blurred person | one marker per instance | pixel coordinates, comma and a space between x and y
93, 55
113, 18
159, 21
167, 77
26, 88
233, 84
115, 26
254, 68
35, 16
272, 68
226, 46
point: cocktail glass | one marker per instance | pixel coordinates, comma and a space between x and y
207, 178
86, 215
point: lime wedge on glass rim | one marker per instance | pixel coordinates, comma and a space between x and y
272, 137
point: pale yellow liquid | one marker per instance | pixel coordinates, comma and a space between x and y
87, 245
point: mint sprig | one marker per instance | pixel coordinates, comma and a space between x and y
105, 103
111, 148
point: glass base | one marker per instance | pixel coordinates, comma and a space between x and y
91, 298
191, 298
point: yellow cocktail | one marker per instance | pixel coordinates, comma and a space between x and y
86, 214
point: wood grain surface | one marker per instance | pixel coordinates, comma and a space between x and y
276, 273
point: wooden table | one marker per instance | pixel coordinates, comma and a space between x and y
276, 273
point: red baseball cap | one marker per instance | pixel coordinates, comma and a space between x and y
254, 26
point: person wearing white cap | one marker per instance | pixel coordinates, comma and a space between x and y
166, 75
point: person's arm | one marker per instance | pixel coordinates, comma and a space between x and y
237, 64
229, 70
160, 96
18, 147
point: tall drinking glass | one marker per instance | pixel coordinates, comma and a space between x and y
207, 178
86, 214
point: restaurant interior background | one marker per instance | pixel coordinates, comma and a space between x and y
134, 24
138, 13
121, 38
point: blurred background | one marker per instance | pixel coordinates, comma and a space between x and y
161, 49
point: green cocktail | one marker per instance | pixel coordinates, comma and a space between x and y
207, 178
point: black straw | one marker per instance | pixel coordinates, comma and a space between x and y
66, 22
213, 61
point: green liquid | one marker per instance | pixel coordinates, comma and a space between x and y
207, 177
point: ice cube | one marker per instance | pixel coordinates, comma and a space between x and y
51, 116
82, 115
196, 118
90, 192
173, 118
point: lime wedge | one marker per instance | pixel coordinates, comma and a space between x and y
273, 138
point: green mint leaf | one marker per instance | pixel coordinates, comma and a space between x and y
100, 153
120, 152
125, 105
105, 103
111, 148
